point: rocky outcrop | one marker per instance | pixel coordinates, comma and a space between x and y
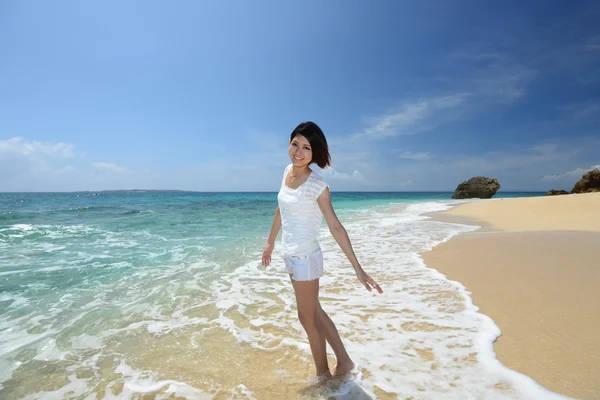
477, 187
556, 192
589, 182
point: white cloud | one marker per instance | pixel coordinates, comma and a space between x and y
576, 173
473, 56
331, 173
17, 146
109, 167
415, 156
501, 84
546, 149
493, 162
485, 80
575, 58
592, 44
515, 168
64, 170
490, 77
589, 111
414, 116
27, 165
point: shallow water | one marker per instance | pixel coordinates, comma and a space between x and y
161, 294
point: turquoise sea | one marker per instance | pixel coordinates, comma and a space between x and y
155, 295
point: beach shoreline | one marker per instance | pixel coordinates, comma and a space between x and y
531, 269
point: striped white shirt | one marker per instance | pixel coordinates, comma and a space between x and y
300, 215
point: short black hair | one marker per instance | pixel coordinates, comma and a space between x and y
318, 143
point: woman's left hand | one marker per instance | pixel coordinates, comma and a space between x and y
266, 256
367, 281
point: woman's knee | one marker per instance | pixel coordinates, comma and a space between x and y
307, 300
307, 317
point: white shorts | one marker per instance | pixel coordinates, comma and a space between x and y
305, 268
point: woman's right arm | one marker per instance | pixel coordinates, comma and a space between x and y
266, 257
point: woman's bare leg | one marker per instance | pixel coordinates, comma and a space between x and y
344, 362
307, 300
326, 325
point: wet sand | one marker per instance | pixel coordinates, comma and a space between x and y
534, 268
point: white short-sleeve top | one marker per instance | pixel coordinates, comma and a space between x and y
300, 215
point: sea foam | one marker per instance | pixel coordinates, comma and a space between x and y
422, 338
118, 313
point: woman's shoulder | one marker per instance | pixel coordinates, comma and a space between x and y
318, 182
318, 177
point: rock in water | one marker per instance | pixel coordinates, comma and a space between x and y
477, 187
555, 192
590, 182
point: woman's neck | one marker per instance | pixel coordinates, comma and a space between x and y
300, 171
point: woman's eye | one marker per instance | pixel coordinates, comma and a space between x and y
307, 148
294, 144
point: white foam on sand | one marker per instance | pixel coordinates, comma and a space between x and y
152, 300
423, 338
76, 388
6, 370
141, 382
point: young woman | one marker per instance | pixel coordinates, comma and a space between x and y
303, 201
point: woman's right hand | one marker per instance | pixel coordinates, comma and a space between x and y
266, 257
367, 281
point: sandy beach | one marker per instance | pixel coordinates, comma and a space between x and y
533, 267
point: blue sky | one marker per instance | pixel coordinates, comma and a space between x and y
202, 95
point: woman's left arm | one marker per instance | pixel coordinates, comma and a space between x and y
341, 237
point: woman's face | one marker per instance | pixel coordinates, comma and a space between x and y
300, 151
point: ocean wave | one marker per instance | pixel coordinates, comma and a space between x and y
137, 212
176, 309
422, 338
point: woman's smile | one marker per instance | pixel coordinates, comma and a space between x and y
300, 151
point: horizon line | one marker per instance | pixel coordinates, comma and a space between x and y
260, 191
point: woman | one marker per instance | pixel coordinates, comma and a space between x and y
303, 201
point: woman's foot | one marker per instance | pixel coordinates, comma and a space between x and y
325, 376
343, 368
